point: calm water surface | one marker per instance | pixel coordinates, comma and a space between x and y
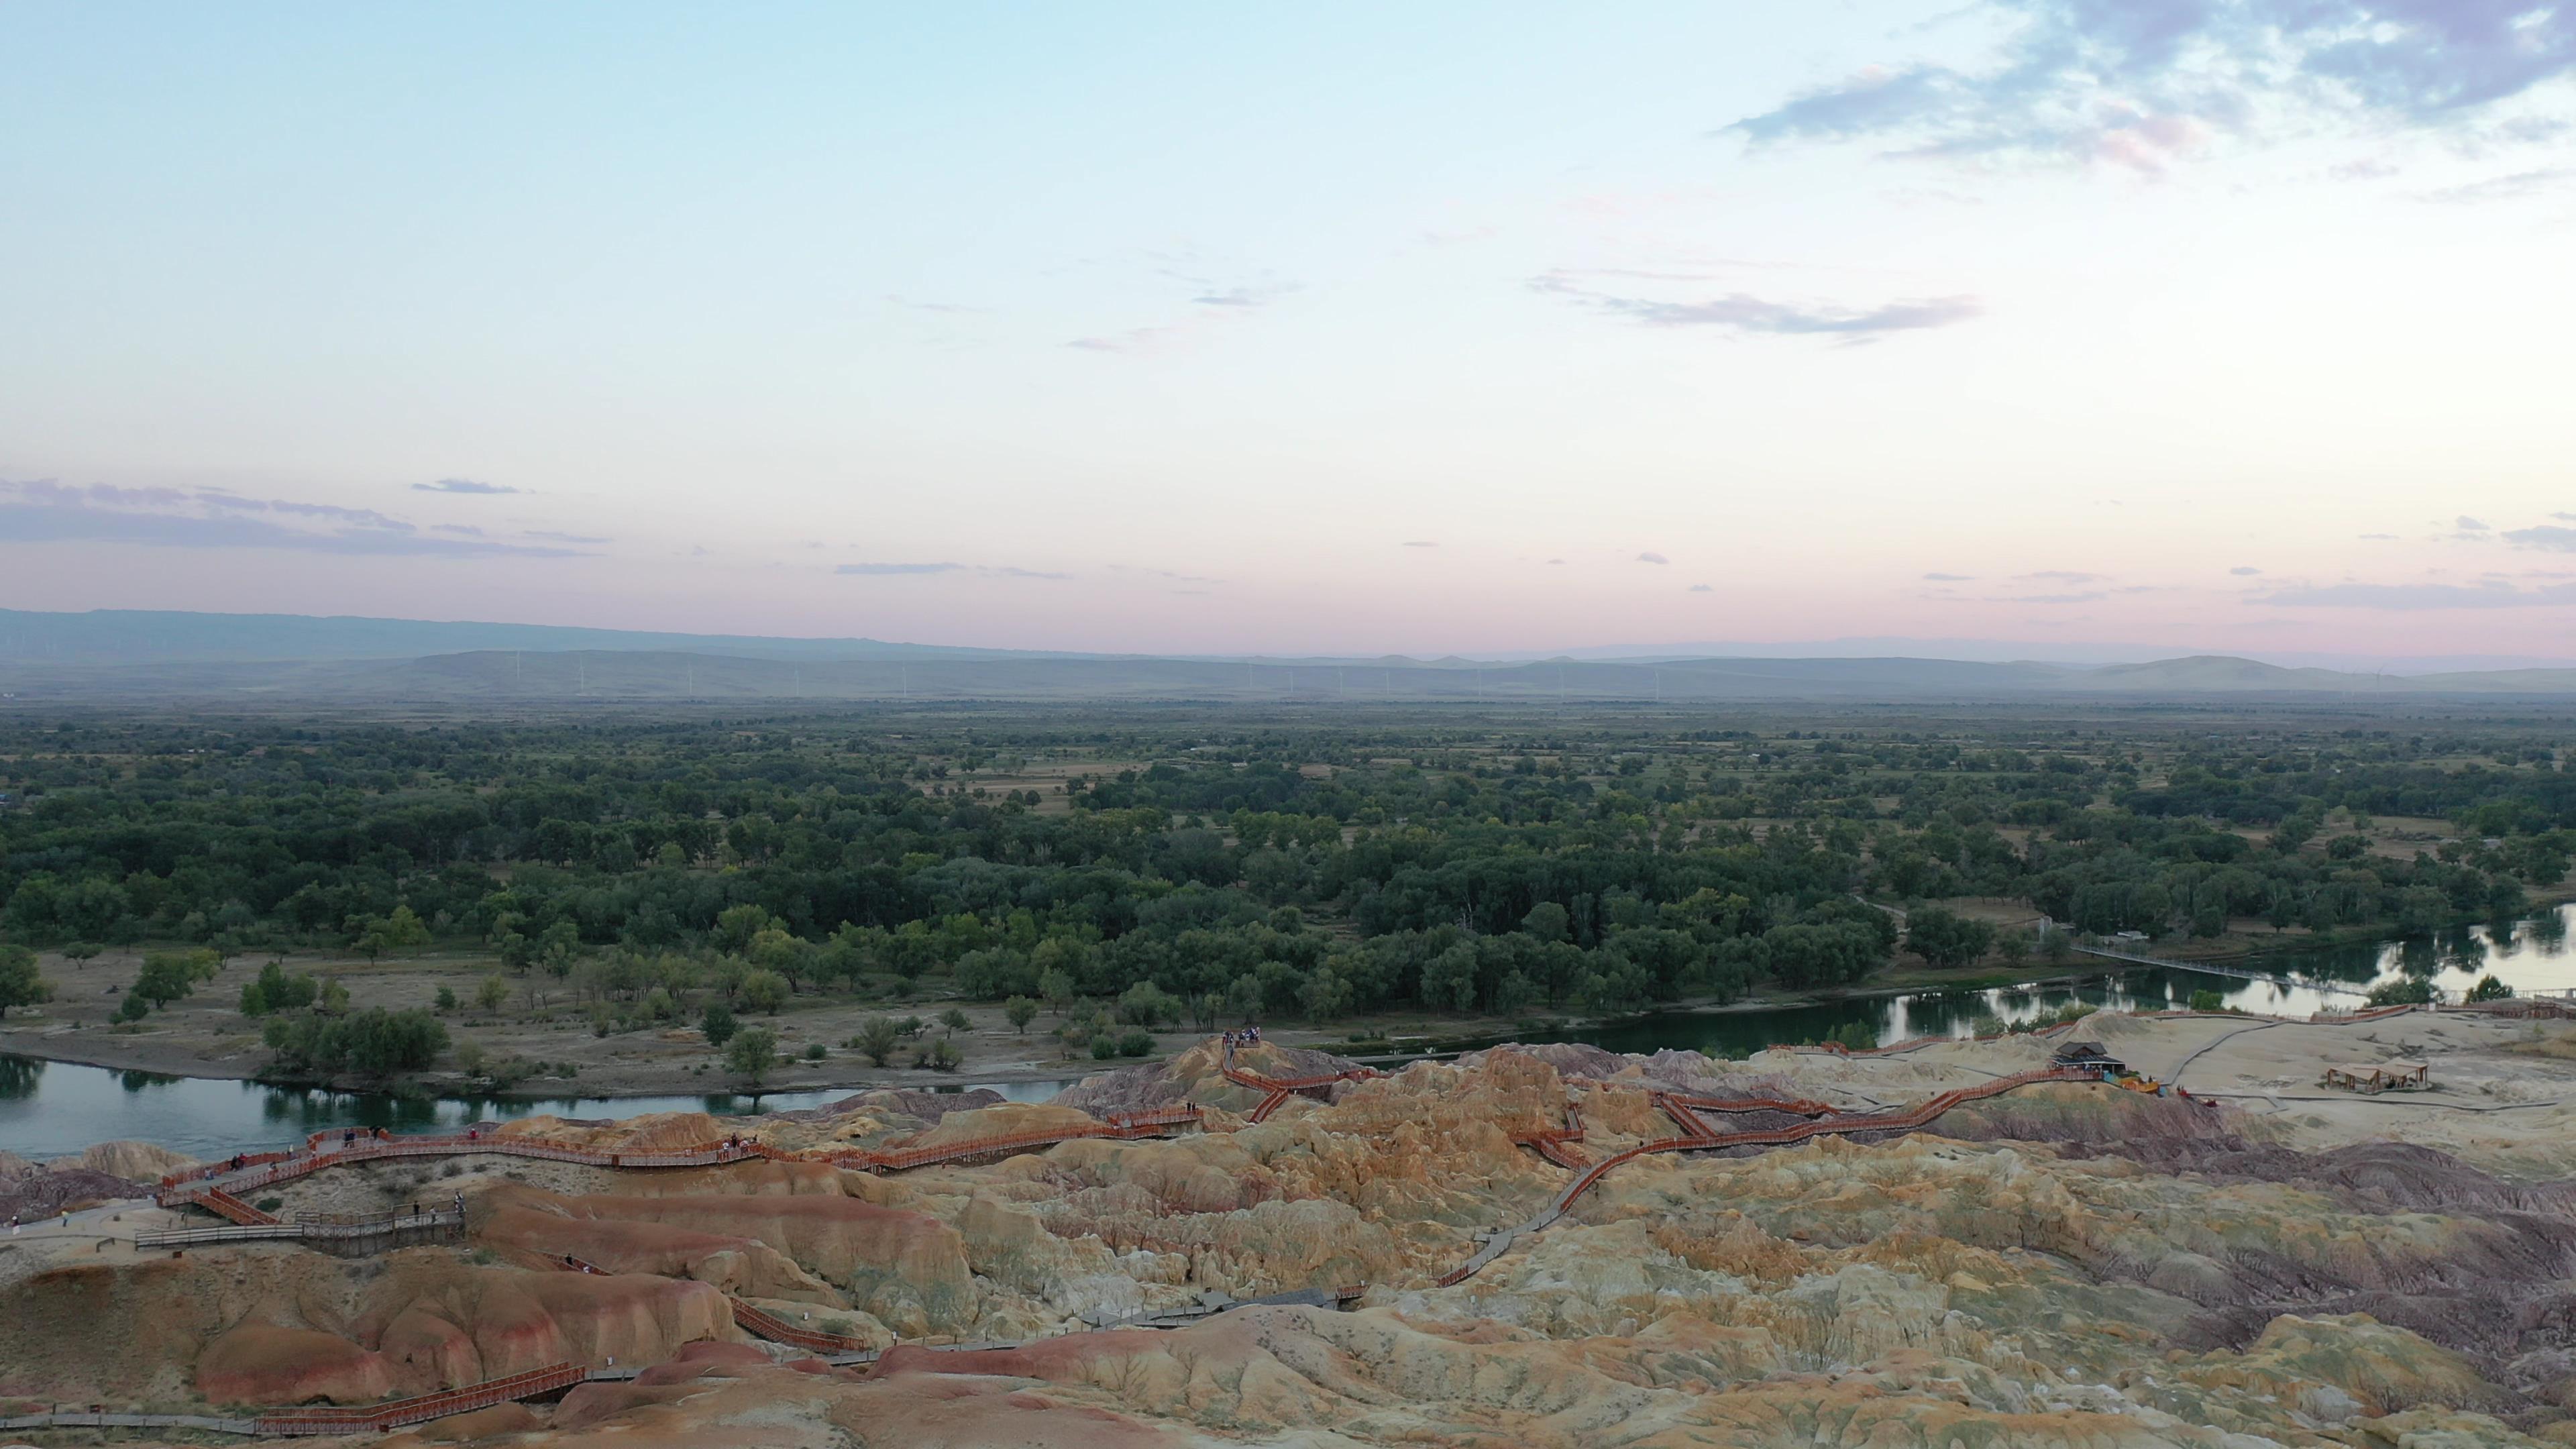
2529, 954
50, 1109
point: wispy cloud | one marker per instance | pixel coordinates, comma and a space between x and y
1652, 558
1133, 340
2063, 576
2546, 535
1420, 543
2421, 596
999, 571
1701, 589
2466, 524
551, 536
2243, 572
49, 512
2143, 83
1743, 313
2511, 187
464, 485
1212, 301
1949, 578
1253, 294
945, 309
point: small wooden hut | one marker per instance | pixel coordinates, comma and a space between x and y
2397, 1076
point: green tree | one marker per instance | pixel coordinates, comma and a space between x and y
273, 990
718, 1024
81, 953
1547, 921
1020, 1011
1946, 939
492, 992
939, 1056
736, 925
2405, 991
1057, 986
955, 1020
166, 977
763, 991
751, 1053
19, 983
878, 1038
2489, 989
447, 998
374, 1043
2207, 1001
402, 930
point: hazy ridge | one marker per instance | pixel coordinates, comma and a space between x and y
244, 657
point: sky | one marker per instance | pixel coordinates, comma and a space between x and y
2241, 326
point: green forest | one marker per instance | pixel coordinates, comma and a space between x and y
1206, 864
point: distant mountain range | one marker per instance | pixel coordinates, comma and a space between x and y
244, 658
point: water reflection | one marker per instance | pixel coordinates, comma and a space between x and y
2529, 955
54, 1109
18, 1076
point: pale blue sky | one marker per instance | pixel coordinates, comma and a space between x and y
2202, 322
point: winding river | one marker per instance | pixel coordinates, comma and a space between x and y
51, 1109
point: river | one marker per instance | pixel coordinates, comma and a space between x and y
52, 1109
2529, 954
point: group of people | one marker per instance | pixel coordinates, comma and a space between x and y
1249, 1036
349, 1138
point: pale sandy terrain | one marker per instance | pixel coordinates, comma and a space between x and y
2066, 1264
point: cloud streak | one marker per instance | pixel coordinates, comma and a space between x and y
464, 485
1746, 314
2141, 84
2421, 596
47, 512
898, 570
2548, 535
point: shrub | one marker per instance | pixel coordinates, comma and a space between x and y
1020, 1011
372, 1043
274, 990
2490, 989
1135, 1042
2207, 1001
718, 1024
2408, 991
877, 1038
763, 991
815, 1053
751, 1053
446, 998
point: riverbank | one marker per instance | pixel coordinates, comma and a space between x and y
557, 1052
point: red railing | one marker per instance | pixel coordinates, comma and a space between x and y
395, 1413
233, 1210
213, 1188
1278, 1090
778, 1330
